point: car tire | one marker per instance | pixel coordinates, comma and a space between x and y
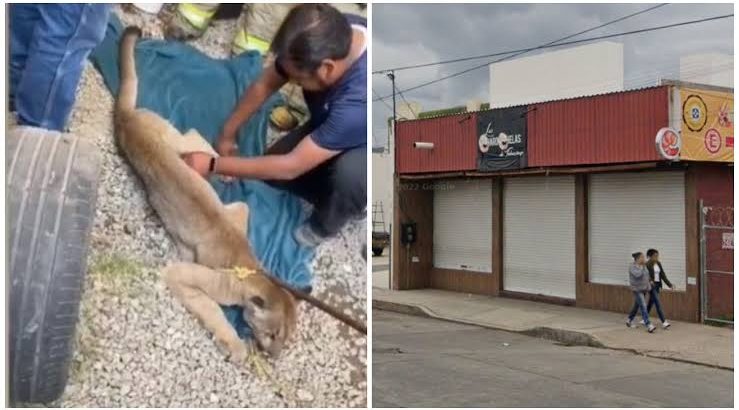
51, 184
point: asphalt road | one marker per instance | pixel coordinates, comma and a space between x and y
420, 362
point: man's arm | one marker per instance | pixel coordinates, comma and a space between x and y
257, 93
304, 157
345, 119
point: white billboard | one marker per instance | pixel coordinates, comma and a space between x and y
572, 72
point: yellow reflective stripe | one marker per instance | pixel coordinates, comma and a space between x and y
240, 40
256, 43
244, 41
195, 15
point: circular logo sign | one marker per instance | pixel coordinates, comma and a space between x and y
483, 143
712, 141
503, 141
668, 143
695, 113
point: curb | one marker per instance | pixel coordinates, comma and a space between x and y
562, 336
400, 308
565, 337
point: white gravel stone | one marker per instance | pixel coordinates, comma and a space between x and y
136, 345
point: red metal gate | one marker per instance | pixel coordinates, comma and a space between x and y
717, 263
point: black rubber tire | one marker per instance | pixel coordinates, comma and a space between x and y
51, 184
377, 251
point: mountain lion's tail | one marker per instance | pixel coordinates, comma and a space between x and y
127, 65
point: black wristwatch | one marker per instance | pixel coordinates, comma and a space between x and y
212, 166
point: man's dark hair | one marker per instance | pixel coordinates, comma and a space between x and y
636, 255
651, 252
310, 34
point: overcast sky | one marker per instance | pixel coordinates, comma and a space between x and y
417, 33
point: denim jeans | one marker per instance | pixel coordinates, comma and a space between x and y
337, 189
639, 304
654, 300
48, 47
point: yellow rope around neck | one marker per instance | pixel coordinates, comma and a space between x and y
241, 272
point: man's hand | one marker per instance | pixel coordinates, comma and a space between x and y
226, 146
199, 161
267, 84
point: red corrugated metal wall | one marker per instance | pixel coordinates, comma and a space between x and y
715, 184
455, 144
603, 129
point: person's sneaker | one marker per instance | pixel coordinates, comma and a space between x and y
306, 236
629, 323
651, 328
641, 322
665, 324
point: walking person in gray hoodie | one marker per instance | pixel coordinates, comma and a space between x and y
639, 281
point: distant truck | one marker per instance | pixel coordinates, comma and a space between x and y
380, 240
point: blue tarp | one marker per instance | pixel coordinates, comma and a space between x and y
192, 90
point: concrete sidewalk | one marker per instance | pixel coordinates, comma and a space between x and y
381, 271
687, 342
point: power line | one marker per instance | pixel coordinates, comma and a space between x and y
639, 80
522, 51
457, 60
415, 116
381, 99
526, 50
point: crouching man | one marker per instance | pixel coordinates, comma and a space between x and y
323, 161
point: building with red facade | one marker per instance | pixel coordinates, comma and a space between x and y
547, 201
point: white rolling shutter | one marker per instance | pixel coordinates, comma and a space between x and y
632, 212
463, 225
539, 235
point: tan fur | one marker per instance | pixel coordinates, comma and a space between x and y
204, 230
202, 289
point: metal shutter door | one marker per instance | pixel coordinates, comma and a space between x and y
463, 225
539, 235
632, 212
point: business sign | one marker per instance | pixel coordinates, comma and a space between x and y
502, 139
668, 144
707, 130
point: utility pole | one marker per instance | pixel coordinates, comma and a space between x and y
391, 272
391, 76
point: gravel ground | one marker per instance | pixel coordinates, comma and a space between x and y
136, 346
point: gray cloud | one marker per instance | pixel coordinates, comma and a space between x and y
417, 33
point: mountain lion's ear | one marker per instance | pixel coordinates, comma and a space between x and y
258, 301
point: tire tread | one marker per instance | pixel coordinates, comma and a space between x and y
52, 189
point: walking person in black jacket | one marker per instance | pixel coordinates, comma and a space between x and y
657, 276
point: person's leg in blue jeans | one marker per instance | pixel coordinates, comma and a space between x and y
639, 305
634, 308
337, 188
52, 42
24, 18
654, 300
